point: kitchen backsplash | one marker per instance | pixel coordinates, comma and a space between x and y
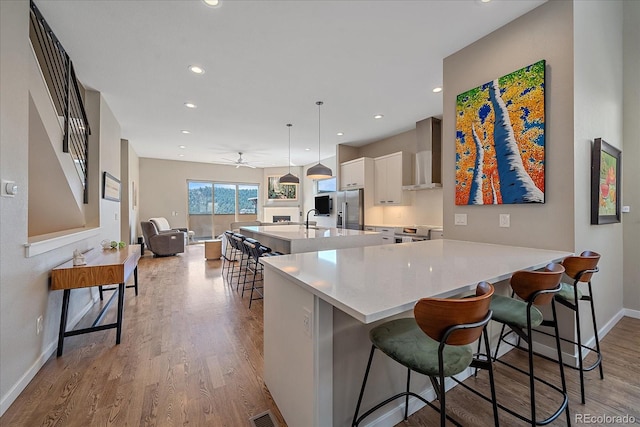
425, 208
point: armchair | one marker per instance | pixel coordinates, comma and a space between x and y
162, 244
162, 225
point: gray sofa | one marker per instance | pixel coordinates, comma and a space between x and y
162, 244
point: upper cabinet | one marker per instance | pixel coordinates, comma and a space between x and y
355, 173
391, 172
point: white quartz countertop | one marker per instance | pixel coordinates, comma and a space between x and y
299, 232
375, 282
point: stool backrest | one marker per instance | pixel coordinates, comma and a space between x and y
253, 248
582, 267
437, 315
538, 287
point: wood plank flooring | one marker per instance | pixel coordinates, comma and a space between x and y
191, 354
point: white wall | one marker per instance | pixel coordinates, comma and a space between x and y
309, 193
631, 155
280, 171
24, 282
130, 176
544, 33
597, 113
581, 42
163, 186
423, 207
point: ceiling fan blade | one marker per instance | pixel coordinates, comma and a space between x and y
238, 165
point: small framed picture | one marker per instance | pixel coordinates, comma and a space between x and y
606, 161
282, 192
110, 187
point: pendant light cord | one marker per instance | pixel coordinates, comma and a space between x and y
319, 103
289, 126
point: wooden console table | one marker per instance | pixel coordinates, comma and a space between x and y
104, 267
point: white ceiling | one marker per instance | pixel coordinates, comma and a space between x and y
267, 63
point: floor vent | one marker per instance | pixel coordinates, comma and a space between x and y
264, 419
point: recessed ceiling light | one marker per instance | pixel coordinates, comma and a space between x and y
185, 131
212, 3
437, 89
485, 1
182, 146
340, 134
180, 155
196, 69
307, 149
378, 116
190, 105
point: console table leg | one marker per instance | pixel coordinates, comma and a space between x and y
121, 289
63, 320
135, 279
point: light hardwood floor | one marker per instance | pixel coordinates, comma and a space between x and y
191, 354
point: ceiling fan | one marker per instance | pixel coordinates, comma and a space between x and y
240, 162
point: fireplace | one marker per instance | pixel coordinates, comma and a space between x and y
280, 213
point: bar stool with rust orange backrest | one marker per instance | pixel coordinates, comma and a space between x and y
435, 343
580, 269
535, 288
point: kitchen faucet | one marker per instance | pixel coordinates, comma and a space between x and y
308, 212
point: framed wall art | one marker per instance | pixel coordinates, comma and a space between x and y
282, 192
605, 183
110, 187
500, 140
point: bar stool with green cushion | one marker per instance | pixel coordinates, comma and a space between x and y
435, 343
535, 289
580, 269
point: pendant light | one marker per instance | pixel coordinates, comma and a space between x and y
289, 178
319, 171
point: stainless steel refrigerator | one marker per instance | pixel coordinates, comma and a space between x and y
350, 209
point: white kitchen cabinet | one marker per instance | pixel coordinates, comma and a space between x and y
353, 174
391, 172
388, 234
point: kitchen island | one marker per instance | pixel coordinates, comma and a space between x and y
319, 307
292, 239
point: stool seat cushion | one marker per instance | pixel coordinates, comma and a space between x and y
566, 292
513, 312
404, 341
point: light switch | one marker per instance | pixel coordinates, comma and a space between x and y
460, 219
505, 220
9, 188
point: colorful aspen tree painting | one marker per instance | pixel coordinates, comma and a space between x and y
500, 140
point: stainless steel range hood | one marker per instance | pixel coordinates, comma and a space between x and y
428, 170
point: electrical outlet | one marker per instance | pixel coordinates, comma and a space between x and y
460, 219
505, 220
306, 322
39, 325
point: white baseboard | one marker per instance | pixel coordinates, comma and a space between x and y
632, 313
395, 414
49, 349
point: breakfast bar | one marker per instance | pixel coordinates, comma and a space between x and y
319, 307
292, 239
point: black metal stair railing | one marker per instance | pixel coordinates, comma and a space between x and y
61, 80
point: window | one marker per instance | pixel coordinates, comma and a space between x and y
200, 197
213, 206
224, 199
247, 199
